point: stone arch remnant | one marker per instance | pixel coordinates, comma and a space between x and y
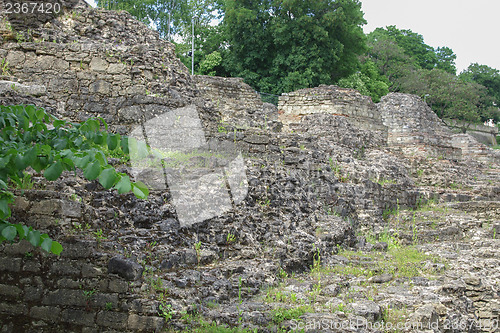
205, 178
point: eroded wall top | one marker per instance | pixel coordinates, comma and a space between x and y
94, 62
359, 109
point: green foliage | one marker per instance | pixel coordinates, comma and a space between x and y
166, 16
4, 67
281, 45
31, 138
422, 55
282, 314
489, 78
166, 311
211, 61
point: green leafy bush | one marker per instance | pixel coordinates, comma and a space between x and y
32, 138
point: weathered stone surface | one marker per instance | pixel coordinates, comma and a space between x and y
25, 89
145, 323
65, 297
46, 313
114, 320
77, 317
126, 268
368, 309
358, 109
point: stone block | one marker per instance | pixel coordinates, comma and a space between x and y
15, 58
12, 309
32, 266
116, 68
67, 268
115, 320
100, 87
118, 286
18, 248
9, 264
68, 297
10, 291
367, 309
126, 268
100, 300
47, 313
57, 207
98, 65
77, 317
32, 293
79, 249
145, 323
89, 270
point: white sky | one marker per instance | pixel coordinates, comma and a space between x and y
469, 28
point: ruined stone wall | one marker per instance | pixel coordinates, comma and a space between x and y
473, 149
414, 127
236, 101
85, 289
484, 134
358, 109
98, 63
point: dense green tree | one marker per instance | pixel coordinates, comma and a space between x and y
209, 65
171, 18
490, 78
367, 81
413, 45
391, 60
284, 45
446, 60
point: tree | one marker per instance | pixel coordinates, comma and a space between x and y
169, 17
413, 45
446, 60
367, 81
284, 45
446, 94
209, 65
489, 78
391, 59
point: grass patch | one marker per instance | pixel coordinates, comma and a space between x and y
394, 316
199, 325
400, 261
282, 314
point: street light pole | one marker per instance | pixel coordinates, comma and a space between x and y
192, 45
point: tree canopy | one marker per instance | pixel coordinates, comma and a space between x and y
283, 45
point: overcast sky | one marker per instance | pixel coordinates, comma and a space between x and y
470, 28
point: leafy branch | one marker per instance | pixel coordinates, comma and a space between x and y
32, 138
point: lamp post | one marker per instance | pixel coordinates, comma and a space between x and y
192, 44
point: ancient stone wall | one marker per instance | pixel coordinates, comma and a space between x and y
236, 101
484, 134
473, 149
99, 63
414, 127
85, 289
358, 109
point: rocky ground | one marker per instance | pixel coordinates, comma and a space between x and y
394, 243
